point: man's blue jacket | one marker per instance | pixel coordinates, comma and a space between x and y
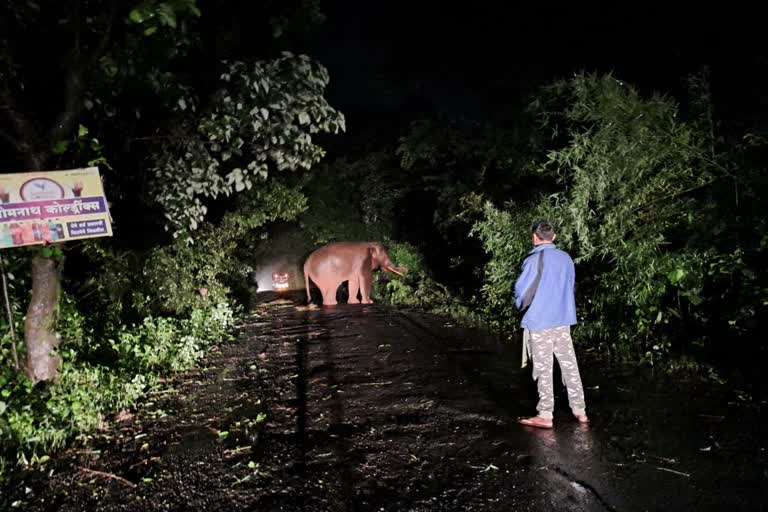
554, 304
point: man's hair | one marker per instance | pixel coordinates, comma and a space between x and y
543, 230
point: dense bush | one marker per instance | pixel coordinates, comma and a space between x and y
135, 331
418, 289
34, 420
637, 188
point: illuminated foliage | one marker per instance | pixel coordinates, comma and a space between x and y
262, 120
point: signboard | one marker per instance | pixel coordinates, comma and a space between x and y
52, 207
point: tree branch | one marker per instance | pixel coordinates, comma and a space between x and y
25, 136
100, 47
674, 195
111, 476
74, 89
35, 145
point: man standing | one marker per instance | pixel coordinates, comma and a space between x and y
545, 287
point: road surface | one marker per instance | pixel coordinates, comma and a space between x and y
370, 408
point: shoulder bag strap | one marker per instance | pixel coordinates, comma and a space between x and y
530, 293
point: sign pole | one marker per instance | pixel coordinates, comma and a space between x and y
10, 315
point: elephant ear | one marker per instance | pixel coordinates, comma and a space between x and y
371, 261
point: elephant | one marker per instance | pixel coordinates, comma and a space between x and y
334, 263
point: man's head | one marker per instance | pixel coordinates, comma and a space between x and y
542, 233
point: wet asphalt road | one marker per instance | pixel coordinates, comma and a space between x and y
370, 408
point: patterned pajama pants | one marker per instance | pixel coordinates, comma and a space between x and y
556, 341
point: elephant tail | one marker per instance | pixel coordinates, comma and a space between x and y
306, 281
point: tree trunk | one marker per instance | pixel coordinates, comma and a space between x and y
35, 142
43, 358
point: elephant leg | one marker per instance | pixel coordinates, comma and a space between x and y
354, 286
329, 294
366, 280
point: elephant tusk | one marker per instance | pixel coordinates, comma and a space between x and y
394, 271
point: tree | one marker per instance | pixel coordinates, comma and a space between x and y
33, 137
37, 125
631, 175
261, 120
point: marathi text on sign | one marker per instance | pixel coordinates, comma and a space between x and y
54, 206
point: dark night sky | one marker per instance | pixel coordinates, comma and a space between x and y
477, 57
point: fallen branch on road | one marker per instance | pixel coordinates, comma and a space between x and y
108, 475
673, 471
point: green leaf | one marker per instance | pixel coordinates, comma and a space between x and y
167, 15
136, 16
149, 31
676, 275
61, 147
82, 131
